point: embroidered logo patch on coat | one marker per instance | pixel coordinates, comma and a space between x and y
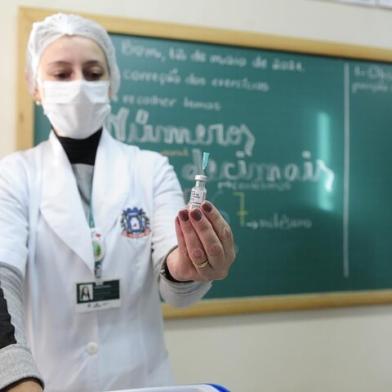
135, 223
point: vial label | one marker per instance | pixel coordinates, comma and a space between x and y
197, 197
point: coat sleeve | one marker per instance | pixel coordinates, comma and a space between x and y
168, 200
13, 212
16, 361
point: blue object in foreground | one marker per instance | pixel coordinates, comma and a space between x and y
219, 388
180, 388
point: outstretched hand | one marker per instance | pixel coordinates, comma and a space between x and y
205, 245
26, 386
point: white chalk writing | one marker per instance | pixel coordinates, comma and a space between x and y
279, 222
256, 175
142, 131
131, 47
371, 78
161, 78
148, 100
201, 105
240, 84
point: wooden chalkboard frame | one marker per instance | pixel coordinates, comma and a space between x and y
116, 25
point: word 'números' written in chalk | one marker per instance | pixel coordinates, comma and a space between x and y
140, 130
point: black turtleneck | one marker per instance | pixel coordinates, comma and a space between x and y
81, 150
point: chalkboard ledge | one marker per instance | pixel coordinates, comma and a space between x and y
248, 305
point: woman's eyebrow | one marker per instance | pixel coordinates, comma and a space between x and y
94, 62
59, 62
66, 63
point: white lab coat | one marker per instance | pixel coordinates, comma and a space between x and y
107, 349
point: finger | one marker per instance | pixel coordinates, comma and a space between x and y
221, 227
186, 262
180, 239
193, 244
209, 239
205, 271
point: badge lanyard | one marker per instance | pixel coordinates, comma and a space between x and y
97, 243
98, 294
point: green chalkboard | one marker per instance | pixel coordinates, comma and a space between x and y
300, 155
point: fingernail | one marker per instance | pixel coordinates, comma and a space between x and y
196, 214
207, 207
184, 215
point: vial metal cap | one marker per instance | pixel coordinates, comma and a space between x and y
200, 177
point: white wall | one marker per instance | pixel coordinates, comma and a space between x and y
335, 350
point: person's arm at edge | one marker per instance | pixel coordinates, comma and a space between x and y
18, 372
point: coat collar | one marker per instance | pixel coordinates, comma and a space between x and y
112, 179
61, 204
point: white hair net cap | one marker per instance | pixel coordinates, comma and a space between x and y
55, 26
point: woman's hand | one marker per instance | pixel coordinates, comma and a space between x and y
205, 246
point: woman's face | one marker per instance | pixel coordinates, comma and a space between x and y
72, 58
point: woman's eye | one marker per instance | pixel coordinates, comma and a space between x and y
62, 75
93, 75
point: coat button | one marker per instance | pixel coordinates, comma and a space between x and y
92, 348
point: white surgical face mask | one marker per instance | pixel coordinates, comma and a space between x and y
76, 109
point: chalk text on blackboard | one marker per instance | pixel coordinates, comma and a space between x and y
279, 221
142, 131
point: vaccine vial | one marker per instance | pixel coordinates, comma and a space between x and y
198, 192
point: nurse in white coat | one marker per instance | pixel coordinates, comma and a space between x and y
93, 232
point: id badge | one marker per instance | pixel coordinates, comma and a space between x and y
91, 296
